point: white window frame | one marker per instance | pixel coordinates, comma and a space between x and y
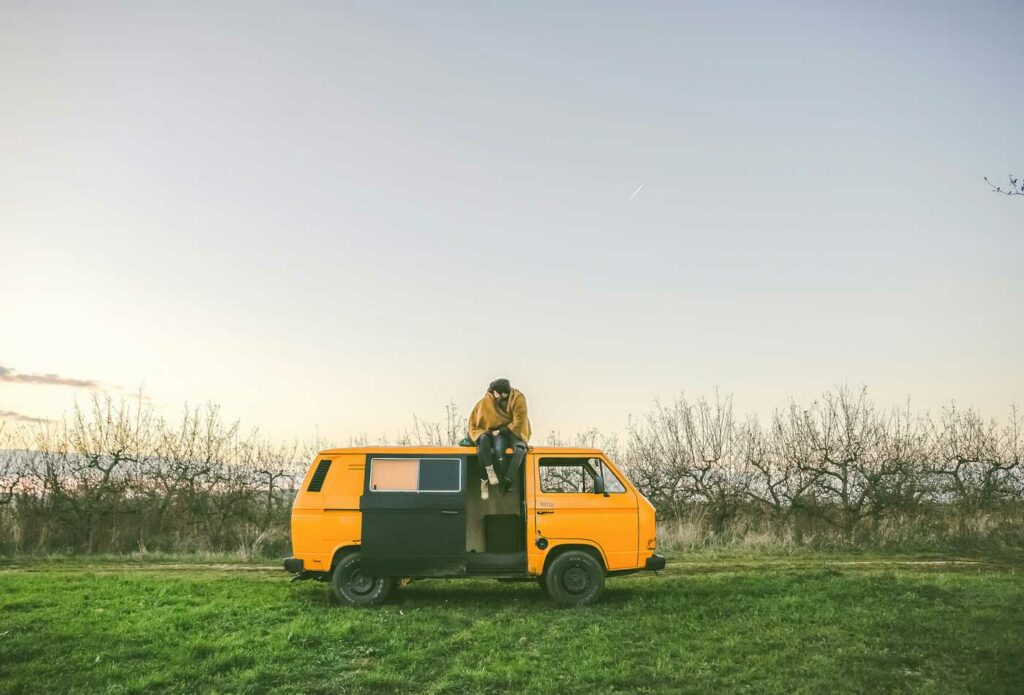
417, 491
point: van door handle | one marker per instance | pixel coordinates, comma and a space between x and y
449, 511
545, 511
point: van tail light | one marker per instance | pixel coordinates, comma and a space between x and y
652, 543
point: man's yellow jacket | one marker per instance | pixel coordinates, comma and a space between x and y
487, 415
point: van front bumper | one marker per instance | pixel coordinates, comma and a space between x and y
655, 562
293, 565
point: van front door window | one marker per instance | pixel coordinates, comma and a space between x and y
566, 475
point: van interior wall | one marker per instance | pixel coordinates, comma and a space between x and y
477, 509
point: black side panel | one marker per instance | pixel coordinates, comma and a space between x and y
416, 534
485, 563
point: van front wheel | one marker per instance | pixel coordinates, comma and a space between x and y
574, 578
349, 584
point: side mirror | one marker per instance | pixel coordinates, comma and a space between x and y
596, 471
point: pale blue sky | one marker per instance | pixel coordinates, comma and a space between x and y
334, 215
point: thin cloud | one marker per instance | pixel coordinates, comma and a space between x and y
19, 417
14, 377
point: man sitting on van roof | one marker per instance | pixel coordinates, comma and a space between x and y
499, 421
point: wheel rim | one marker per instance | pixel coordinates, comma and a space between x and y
360, 583
575, 580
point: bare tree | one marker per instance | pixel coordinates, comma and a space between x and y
777, 464
1015, 186
689, 454
1012, 453
976, 461
847, 439
13, 457
446, 432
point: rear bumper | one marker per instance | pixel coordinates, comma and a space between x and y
655, 562
293, 565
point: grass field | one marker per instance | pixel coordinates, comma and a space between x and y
711, 622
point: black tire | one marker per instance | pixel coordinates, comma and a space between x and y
574, 578
350, 586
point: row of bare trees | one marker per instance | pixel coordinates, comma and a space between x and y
115, 477
841, 466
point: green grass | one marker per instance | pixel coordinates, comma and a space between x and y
722, 622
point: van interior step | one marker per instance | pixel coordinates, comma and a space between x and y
496, 562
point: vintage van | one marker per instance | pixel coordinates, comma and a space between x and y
365, 518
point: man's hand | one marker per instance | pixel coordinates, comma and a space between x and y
496, 432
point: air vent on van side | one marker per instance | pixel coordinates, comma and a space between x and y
319, 475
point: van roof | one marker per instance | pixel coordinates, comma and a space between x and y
460, 450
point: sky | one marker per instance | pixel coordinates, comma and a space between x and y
330, 216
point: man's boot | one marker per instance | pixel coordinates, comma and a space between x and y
510, 474
492, 477
502, 468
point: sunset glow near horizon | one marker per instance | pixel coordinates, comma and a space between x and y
328, 217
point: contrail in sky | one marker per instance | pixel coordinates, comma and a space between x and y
634, 193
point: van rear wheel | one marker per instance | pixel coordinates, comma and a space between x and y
349, 584
574, 578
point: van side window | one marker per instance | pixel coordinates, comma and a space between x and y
439, 475
577, 475
394, 474
566, 475
415, 475
611, 483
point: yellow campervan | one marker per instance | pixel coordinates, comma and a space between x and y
365, 517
